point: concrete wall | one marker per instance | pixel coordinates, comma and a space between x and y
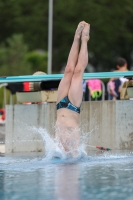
105, 123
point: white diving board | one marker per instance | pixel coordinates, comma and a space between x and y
48, 77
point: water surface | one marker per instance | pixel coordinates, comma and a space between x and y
100, 175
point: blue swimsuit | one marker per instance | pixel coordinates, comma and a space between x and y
65, 103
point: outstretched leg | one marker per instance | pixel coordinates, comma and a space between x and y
71, 63
76, 92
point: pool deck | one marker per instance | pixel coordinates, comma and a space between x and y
2, 148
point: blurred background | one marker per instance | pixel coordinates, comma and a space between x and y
24, 34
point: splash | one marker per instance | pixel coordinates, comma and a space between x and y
54, 148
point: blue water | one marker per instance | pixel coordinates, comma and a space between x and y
100, 175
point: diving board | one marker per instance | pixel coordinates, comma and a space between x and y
48, 77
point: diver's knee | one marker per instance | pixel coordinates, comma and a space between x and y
69, 69
78, 71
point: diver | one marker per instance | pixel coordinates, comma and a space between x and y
70, 93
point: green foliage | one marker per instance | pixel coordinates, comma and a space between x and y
16, 60
29, 17
12, 57
111, 28
7, 92
1, 98
37, 60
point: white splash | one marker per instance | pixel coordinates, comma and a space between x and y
52, 145
54, 149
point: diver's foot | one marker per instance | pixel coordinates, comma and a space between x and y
86, 32
79, 30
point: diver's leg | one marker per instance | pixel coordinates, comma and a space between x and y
76, 92
71, 63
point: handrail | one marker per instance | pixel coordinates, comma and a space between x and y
3, 85
27, 78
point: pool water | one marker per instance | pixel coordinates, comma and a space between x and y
100, 175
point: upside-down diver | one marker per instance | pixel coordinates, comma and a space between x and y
70, 93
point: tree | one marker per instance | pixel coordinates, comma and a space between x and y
27, 17
37, 60
111, 28
12, 57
